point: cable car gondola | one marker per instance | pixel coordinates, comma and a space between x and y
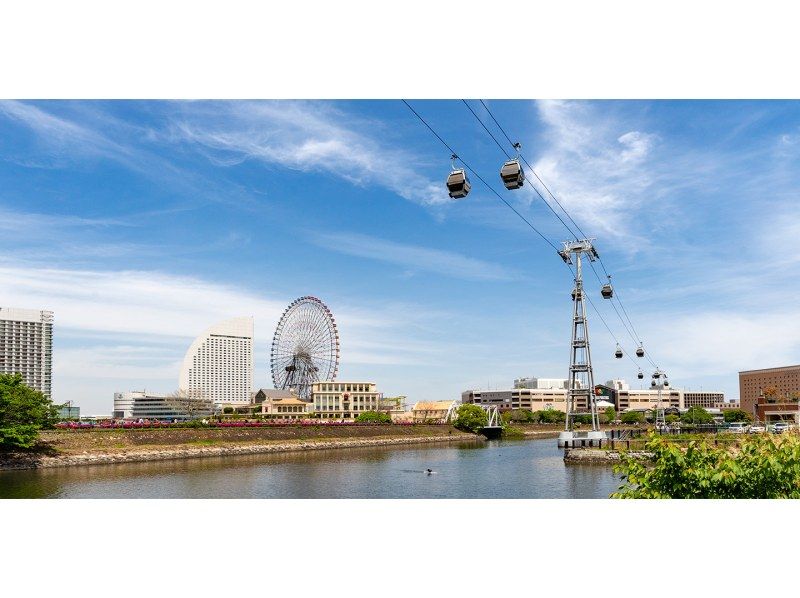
653, 384
512, 174
640, 375
457, 182
618, 352
607, 291
639, 351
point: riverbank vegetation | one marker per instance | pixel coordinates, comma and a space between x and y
23, 413
470, 418
761, 466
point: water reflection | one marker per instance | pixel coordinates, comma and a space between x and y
494, 469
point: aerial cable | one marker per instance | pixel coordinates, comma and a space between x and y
499, 126
634, 335
517, 147
480, 178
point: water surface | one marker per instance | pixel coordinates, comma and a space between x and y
494, 469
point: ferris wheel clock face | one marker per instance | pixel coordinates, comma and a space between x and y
305, 348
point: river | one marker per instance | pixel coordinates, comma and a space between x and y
494, 469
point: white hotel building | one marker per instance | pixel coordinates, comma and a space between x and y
219, 363
26, 346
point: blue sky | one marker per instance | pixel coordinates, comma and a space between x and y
142, 223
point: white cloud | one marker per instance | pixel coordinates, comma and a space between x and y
446, 263
308, 137
596, 166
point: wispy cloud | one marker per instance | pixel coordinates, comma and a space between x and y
308, 137
413, 257
596, 165
65, 141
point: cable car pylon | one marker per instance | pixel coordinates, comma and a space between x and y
580, 386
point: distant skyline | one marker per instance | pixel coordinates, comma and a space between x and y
140, 224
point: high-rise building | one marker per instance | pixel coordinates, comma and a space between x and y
219, 363
26, 346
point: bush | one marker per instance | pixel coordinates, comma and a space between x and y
736, 415
583, 418
610, 414
470, 418
550, 416
374, 417
227, 410
763, 467
671, 418
697, 415
632, 417
23, 412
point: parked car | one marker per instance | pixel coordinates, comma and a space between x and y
738, 428
757, 429
779, 427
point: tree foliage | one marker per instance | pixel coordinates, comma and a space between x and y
524, 416
611, 414
632, 417
762, 466
550, 416
736, 415
470, 418
374, 417
697, 415
23, 412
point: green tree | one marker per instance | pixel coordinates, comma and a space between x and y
550, 416
611, 414
23, 412
671, 418
470, 418
524, 416
632, 417
736, 415
762, 466
697, 415
374, 417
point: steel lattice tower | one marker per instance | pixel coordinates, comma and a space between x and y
580, 390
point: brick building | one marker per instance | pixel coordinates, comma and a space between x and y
755, 383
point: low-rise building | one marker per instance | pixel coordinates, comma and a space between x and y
136, 405
277, 404
723, 405
68, 411
534, 399
431, 411
334, 399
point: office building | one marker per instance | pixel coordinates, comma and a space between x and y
706, 400
136, 405
770, 385
219, 363
26, 346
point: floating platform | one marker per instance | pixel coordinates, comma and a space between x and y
580, 439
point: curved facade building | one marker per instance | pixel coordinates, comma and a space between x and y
219, 363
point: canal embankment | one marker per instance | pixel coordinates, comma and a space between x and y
64, 448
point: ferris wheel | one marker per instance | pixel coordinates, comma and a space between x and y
305, 348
